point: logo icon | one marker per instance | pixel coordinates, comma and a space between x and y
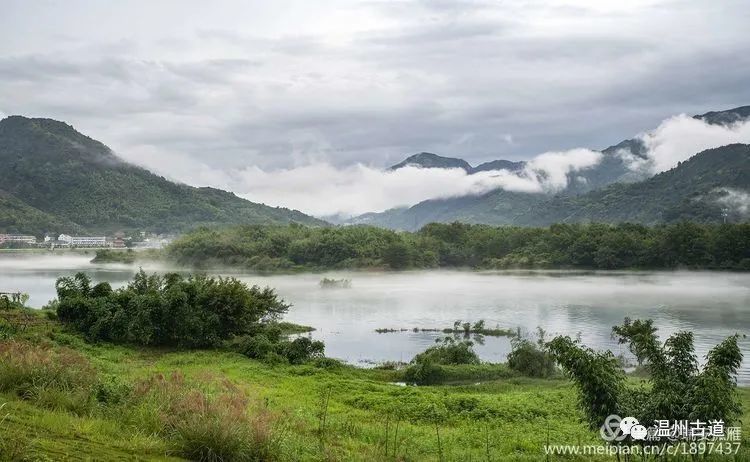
627, 424
611, 430
638, 432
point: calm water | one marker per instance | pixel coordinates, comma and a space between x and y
713, 305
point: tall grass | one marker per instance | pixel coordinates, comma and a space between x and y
206, 421
54, 378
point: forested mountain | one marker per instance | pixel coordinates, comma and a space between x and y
16, 217
694, 190
54, 178
588, 192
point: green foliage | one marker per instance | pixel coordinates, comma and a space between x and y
273, 348
114, 256
328, 283
594, 246
54, 178
14, 301
449, 351
597, 375
428, 367
210, 310
531, 358
676, 390
236, 408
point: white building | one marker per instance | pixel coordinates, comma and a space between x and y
89, 241
83, 241
18, 239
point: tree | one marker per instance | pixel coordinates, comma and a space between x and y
677, 389
396, 255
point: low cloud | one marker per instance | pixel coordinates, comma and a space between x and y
736, 201
323, 189
680, 137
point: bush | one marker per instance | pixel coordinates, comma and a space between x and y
427, 367
257, 347
449, 351
424, 373
268, 344
210, 310
302, 349
530, 359
327, 363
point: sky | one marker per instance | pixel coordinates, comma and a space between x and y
246, 95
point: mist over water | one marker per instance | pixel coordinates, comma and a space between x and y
712, 305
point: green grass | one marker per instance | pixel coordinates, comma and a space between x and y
516, 415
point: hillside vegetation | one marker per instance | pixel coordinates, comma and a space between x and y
77, 183
592, 246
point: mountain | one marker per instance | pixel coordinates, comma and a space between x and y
691, 191
694, 190
430, 160
576, 202
499, 165
54, 178
612, 168
727, 117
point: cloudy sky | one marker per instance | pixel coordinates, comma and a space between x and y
238, 93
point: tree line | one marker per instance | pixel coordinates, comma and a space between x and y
585, 246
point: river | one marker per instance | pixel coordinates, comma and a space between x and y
712, 305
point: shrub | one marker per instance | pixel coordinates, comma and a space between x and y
530, 359
269, 345
449, 351
424, 373
302, 349
211, 310
327, 363
427, 367
13, 302
256, 347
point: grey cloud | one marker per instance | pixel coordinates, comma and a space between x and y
452, 77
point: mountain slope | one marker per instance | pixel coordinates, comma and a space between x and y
16, 217
50, 167
690, 191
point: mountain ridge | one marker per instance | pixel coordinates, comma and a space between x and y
686, 192
53, 168
507, 207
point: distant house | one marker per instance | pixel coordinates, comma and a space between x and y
17, 239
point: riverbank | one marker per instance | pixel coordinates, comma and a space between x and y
318, 411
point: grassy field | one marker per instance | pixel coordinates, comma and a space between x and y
308, 412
